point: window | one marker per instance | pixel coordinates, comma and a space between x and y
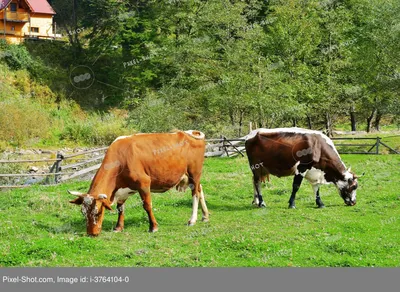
34, 29
13, 7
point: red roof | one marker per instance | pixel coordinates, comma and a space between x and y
40, 6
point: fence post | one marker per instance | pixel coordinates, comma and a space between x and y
60, 157
378, 141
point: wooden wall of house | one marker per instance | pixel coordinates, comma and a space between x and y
44, 22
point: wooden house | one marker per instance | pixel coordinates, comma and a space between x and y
20, 19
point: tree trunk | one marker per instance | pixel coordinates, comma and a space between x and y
353, 118
294, 122
377, 121
309, 122
369, 119
241, 123
328, 125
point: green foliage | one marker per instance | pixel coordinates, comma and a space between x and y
22, 120
16, 56
95, 129
211, 65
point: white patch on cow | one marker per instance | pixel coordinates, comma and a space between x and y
315, 176
353, 195
88, 200
195, 208
255, 200
295, 166
198, 137
348, 175
315, 188
341, 184
94, 215
121, 137
122, 195
295, 130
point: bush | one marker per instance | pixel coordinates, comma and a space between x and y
21, 120
17, 57
96, 129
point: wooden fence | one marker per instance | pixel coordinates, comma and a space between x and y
62, 171
59, 171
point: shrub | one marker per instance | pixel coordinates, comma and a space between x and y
96, 129
21, 120
17, 57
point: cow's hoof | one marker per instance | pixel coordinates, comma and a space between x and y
191, 223
321, 206
118, 229
204, 219
153, 230
292, 206
262, 205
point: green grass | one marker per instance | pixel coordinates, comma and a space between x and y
38, 227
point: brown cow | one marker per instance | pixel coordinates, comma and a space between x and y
145, 163
302, 153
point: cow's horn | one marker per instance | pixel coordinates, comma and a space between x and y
102, 196
75, 193
349, 169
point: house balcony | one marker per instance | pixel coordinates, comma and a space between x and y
15, 16
11, 32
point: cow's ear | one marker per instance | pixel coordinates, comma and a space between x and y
107, 205
77, 201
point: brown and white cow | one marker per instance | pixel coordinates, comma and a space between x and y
145, 163
300, 152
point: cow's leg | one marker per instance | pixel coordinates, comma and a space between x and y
258, 199
298, 178
120, 222
196, 194
146, 199
203, 205
318, 200
194, 179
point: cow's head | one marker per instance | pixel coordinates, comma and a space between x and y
348, 188
92, 208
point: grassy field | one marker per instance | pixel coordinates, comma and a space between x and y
38, 227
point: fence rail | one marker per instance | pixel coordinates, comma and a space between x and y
218, 147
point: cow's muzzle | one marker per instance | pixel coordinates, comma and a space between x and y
350, 202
